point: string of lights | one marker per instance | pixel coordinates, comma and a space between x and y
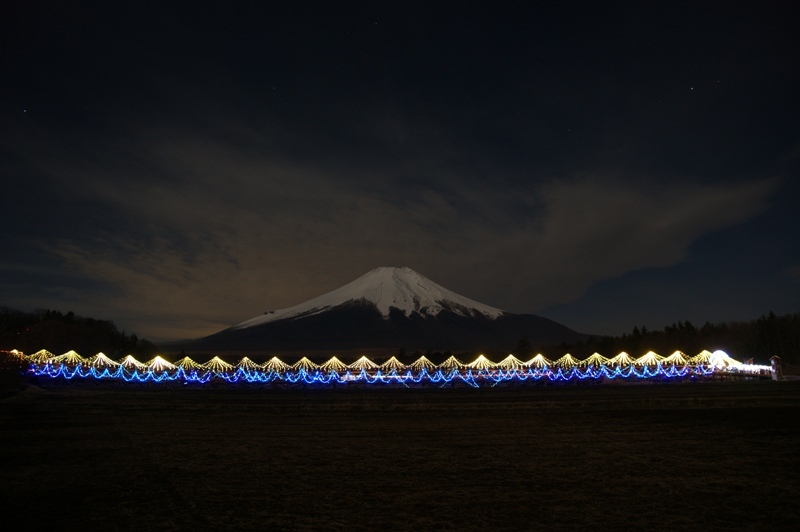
480, 372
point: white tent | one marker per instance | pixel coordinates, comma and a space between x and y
720, 359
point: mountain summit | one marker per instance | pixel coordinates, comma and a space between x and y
387, 308
386, 288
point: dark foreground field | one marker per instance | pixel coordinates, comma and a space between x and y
678, 456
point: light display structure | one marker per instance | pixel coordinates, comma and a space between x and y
480, 372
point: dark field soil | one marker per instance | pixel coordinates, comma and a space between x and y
691, 456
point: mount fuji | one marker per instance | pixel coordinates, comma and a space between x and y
388, 308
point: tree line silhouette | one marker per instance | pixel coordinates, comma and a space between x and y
58, 333
768, 336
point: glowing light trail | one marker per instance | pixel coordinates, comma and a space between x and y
481, 371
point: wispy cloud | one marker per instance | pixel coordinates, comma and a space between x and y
215, 233
595, 228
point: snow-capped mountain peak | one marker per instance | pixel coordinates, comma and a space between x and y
386, 288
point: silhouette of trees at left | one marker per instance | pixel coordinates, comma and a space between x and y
58, 333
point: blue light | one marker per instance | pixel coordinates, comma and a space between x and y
471, 377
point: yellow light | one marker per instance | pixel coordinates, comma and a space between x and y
422, 363
159, 364
70, 358
102, 361
41, 357
511, 362
334, 364
131, 363
452, 363
248, 365
567, 361
188, 364
305, 364
276, 364
393, 364
677, 359
481, 363
622, 359
718, 359
539, 361
596, 359
363, 363
649, 359
217, 364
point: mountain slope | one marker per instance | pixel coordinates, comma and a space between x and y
388, 308
386, 288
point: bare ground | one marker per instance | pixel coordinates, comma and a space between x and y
692, 456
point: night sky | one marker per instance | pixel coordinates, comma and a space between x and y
178, 167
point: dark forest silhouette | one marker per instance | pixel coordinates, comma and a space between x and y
58, 333
761, 339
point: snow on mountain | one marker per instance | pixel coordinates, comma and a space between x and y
386, 288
